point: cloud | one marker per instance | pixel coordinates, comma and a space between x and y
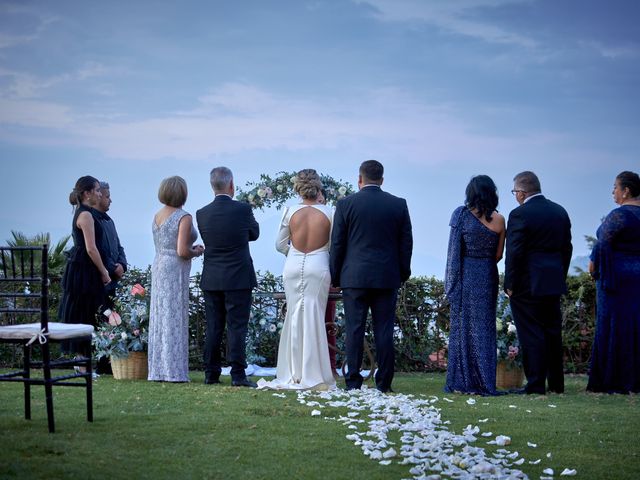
14, 12
236, 118
26, 85
459, 17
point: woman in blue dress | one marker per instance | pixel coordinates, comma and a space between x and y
615, 264
476, 243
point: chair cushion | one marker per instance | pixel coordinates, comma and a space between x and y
57, 331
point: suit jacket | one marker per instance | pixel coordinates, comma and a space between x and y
226, 227
538, 248
371, 241
113, 251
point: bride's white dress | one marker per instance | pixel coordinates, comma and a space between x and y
303, 354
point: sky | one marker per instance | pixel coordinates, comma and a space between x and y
438, 91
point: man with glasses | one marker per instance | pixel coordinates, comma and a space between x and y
538, 253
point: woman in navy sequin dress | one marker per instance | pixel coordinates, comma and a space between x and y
476, 244
615, 263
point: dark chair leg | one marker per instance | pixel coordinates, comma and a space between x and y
27, 386
90, 386
48, 387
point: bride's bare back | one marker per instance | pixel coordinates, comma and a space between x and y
310, 229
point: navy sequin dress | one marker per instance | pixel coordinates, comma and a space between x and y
615, 361
471, 284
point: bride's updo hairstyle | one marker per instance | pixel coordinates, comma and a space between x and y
84, 184
307, 184
482, 196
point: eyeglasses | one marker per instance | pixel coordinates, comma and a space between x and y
516, 191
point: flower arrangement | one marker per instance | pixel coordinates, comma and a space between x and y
507, 335
277, 191
125, 328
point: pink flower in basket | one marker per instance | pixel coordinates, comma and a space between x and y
113, 317
138, 290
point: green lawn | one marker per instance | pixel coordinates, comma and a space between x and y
156, 430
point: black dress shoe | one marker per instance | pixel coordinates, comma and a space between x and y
386, 390
211, 380
244, 383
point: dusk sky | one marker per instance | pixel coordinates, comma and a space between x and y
438, 91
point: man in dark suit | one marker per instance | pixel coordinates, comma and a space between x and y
371, 248
226, 227
537, 261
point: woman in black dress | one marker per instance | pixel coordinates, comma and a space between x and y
85, 275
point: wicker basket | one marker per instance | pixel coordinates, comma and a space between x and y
508, 375
133, 367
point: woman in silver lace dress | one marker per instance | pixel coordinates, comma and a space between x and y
173, 237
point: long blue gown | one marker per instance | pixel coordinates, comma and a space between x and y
471, 284
615, 361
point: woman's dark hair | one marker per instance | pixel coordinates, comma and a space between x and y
84, 184
631, 181
482, 196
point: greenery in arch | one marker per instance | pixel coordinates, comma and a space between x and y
276, 191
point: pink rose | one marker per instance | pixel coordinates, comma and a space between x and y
138, 289
114, 319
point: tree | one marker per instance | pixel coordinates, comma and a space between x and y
57, 259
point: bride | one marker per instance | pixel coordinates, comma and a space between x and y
303, 354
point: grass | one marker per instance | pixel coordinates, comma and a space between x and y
147, 430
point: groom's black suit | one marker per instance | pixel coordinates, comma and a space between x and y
371, 246
226, 227
537, 260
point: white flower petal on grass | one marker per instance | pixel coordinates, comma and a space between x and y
447, 399
549, 455
384, 462
280, 395
546, 478
315, 413
487, 434
528, 411
513, 406
376, 455
513, 455
548, 471
389, 453
503, 440
552, 406
519, 461
569, 472
534, 462
532, 445
471, 401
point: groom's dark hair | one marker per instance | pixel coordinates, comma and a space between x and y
372, 170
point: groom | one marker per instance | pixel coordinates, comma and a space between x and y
371, 248
226, 227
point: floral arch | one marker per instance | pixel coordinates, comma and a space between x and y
276, 191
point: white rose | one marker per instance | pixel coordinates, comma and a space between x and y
280, 324
261, 192
342, 190
262, 322
123, 335
293, 179
280, 188
272, 328
511, 328
251, 196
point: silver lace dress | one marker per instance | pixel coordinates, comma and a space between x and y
169, 314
